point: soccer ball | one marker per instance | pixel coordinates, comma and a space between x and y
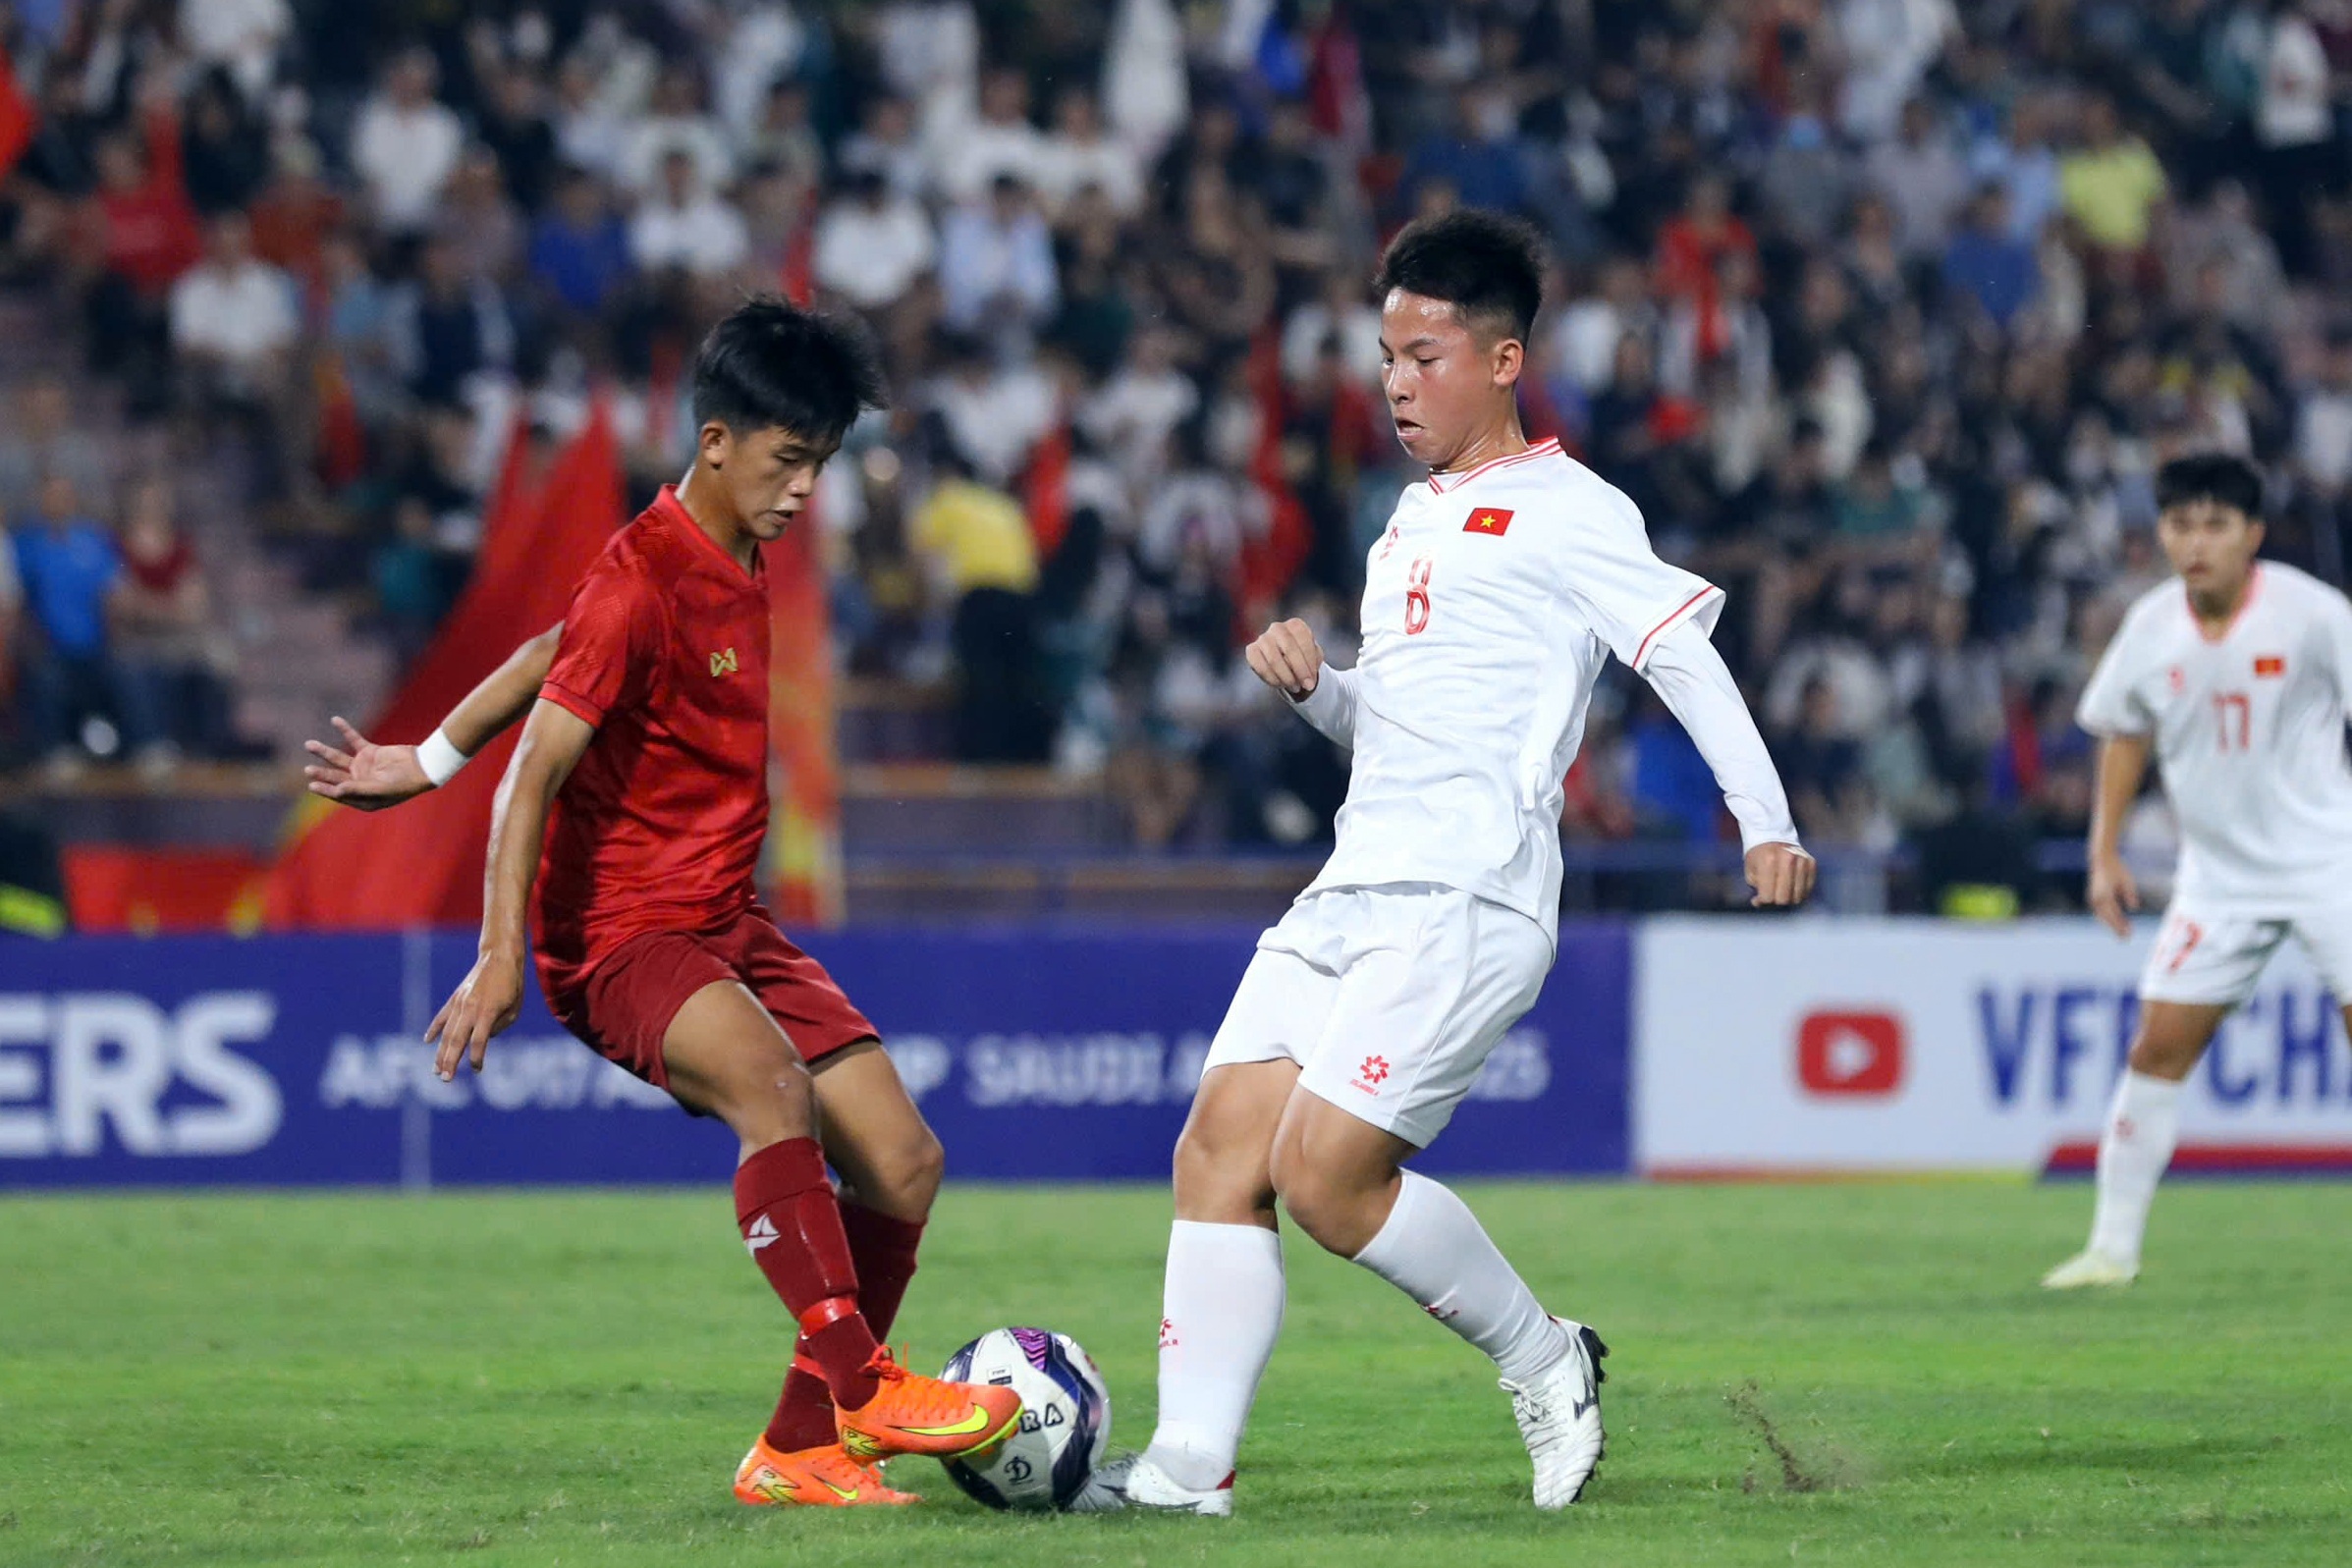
1064, 1419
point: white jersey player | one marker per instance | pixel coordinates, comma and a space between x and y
1504, 583
2236, 677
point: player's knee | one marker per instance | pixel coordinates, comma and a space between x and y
1321, 1206
2156, 1057
903, 1180
1219, 1177
769, 1100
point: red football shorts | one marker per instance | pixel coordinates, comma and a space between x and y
623, 1007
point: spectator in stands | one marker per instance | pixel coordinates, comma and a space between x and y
235, 326
45, 439
242, 37
1988, 265
2024, 164
685, 226
784, 140
444, 328
977, 542
480, 222
973, 159
70, 569
873, 246
171, 653
234, 322
1078, 155
579, 255
886, 145
1823, 772
1919, 174
674, 125
513, 124
1477, 157
2111, 183
997, 266
1807, 179
406, 144
295, 214
143, 234
226, 154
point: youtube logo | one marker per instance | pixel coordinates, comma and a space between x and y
1851, 1052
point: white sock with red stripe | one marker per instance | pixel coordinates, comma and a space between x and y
1223, 1306
2143, 1125
1435, 1251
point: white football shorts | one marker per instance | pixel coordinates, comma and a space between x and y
2206, 957
1388, 998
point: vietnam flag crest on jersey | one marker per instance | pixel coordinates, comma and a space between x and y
1488, 520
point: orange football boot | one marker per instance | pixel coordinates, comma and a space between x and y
912, 1413
813, 1478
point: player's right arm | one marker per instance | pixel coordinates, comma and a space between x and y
371, 777
1287, 657
2122, 766
491, 994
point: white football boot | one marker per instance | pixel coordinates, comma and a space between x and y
1559, 1411
2089, 1267
1132, 1480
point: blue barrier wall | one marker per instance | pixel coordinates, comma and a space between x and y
1049, 1052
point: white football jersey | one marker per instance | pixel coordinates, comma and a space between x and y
1490, 606
2248, 731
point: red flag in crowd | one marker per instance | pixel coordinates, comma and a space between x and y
422, 863
17, 120
1270, 561
803, 853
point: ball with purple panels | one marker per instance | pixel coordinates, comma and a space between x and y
1064, 1425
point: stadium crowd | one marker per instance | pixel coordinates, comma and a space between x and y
1882, 310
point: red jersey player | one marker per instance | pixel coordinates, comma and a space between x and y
638, 798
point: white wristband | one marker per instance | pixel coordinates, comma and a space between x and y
439, 759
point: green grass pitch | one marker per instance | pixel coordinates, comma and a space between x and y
569, 1379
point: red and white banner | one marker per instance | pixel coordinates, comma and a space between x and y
1791, 1047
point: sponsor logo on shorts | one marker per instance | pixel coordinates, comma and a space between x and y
1371, 1073
1168, 1333
722, 663
1851, 1052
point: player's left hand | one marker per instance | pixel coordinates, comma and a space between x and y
1782, 874
367, 776
487, 1000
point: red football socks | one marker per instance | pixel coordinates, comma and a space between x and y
883, 1250
793, 1223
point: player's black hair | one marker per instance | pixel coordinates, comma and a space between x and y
2210, 476
1489, 265
771, 363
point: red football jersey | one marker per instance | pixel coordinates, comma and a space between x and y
665, 651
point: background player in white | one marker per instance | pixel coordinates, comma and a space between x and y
1501, 587
2237, 677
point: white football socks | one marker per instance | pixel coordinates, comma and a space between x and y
2143, 1125
1435, 1251
1223, 1306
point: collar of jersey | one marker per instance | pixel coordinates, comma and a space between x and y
1440, 483
670, 507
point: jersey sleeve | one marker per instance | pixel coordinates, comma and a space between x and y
612, 645
1624, 591
2109, 705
